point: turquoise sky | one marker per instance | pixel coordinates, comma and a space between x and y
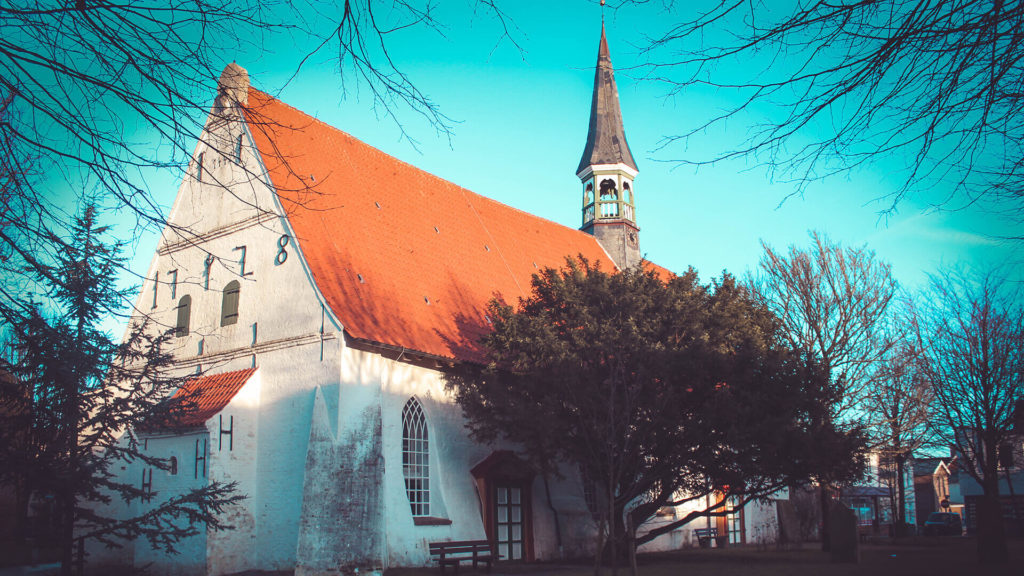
521, 121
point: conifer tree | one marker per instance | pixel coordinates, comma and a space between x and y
83, 396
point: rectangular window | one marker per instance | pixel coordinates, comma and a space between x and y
734, 521
238, 148
199, 167
1006, 456
229, 304
174, 283
181, 328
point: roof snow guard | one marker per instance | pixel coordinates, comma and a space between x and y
606, 138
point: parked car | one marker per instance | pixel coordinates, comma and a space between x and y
943, 524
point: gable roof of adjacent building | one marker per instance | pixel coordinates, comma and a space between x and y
403, 258
198, 399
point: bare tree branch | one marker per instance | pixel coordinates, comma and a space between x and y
929, 90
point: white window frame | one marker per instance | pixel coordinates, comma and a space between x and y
416, 457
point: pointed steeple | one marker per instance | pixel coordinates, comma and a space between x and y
607, 171
606, 138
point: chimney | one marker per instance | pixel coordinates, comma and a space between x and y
233, 85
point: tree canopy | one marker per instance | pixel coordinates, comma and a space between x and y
971, 331
659, 392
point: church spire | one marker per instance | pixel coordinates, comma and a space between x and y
606, 138
607, 171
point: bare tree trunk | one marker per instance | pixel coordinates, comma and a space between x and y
602, 528
991, 533
67, 532
825, 499
613, 524
1013, 499
901, 499
554, 514
631, 532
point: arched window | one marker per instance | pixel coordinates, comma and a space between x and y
627, 193
184, 315
588, 195
416, 457
608, 191
229, 304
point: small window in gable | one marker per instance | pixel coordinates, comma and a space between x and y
184, 316
199, 167
229, 304
173, 466
416, 457
238, 148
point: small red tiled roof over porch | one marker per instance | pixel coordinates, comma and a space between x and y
208, 395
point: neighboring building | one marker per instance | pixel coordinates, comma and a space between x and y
323, 289
936, 487
1011, 485
874, 499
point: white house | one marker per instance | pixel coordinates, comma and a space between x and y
323, 288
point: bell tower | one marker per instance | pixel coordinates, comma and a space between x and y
607, 170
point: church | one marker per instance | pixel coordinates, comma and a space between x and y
320, 289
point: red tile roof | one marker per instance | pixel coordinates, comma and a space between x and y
210, 395
402, 257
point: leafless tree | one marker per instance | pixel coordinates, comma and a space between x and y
830, 301
931, 89
898, 405
95, 96
971, 330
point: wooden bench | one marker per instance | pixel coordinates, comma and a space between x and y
453, 553
705, 535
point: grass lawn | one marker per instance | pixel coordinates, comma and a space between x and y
924, 557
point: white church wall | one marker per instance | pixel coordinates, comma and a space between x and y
282, 327
191, 473
453, 493
341, 519
761, 522
290, 377
574, 533
233, 458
